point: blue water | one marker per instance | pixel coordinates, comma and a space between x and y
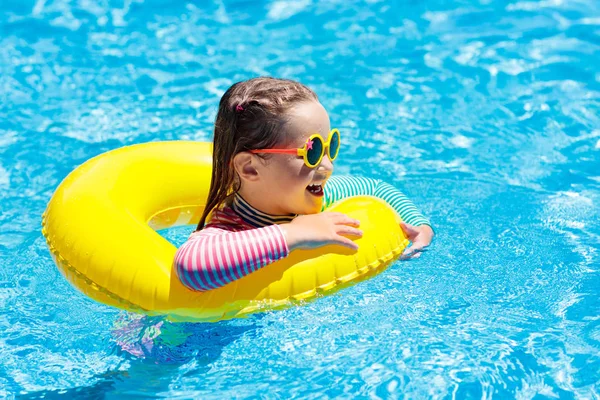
486, 113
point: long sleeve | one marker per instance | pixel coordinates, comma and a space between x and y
341, 187
215, 257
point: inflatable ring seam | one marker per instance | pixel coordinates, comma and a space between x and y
65, 263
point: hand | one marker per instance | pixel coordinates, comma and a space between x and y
316, 230
420, 236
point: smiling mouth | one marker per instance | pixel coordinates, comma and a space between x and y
315, 190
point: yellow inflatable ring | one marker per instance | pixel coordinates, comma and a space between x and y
101, 222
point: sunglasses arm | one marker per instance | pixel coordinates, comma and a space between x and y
279, 151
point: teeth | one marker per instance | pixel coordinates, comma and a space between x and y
316, 189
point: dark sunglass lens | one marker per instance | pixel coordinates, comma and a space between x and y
334, 145
313, 155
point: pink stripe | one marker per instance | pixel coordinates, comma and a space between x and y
266, 247
215, 267
200, 279
233, 259
272, 246
194, 263
237, 256
180, 263
210, 264
242, 251
243, 247
251, 251
275, 238
282, 243
270, 254
219, 261
224, 267
210, 284
274, 235
224, 263
187, 259
260, 248
183, 265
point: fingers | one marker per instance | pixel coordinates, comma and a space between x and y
413, 251
342, 241
346, 226
416, 247
407, 255
340, 218
348, 231
411, 256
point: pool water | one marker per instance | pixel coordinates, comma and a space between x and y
486, 113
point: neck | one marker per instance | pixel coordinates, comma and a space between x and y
255, 217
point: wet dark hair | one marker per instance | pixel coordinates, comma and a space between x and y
251, 116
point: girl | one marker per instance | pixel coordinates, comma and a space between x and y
271, 177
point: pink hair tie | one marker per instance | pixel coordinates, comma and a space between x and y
239, 108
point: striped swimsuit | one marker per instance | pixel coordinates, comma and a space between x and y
239, 239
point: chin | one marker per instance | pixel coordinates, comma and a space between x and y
309, 205
314, 208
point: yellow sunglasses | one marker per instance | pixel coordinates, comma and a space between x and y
313, 150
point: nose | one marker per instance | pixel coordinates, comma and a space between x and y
326, 166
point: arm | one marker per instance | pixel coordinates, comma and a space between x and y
341, 187
214, 257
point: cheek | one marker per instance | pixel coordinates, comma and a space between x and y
297, 170
289, 176
304, 176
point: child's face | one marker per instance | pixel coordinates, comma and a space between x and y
285, 179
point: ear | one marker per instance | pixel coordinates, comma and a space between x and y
245, 166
